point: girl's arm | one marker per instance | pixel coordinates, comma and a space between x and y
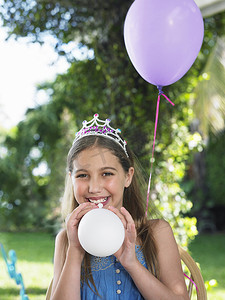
67, 266
66, 280
171, 284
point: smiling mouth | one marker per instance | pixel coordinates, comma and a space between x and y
97, 201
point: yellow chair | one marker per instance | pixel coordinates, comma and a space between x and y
193, 273
49, 290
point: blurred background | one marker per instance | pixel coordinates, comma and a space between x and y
61, 62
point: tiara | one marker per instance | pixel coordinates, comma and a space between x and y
101, 128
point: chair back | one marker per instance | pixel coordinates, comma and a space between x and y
194, 275
49, 290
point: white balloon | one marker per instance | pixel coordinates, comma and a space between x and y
101, 232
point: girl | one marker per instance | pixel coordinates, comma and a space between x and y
147, 266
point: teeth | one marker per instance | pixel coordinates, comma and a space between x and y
99, 200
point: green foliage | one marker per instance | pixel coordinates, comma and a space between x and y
210, 92
169, 193
25, 170
215, 164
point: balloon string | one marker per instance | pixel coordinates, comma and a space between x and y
191, 281
153, 147
168, 99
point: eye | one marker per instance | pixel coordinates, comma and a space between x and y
81, 176
108, 174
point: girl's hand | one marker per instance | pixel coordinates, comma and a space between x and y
126, 254
72, 222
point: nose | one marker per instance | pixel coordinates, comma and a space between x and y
95, 186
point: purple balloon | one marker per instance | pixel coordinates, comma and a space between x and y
163, 38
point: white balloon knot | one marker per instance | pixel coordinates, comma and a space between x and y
100, 205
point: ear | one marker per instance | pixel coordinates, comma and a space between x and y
129, 176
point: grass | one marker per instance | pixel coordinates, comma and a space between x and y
35, 254
209, 251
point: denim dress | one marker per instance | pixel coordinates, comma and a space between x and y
112, 281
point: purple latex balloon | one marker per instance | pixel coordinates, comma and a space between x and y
163, 38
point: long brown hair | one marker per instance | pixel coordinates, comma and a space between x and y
133, 199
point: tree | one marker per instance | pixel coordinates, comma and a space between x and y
209, 109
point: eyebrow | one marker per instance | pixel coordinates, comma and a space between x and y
80, 170
101, 169
107, 168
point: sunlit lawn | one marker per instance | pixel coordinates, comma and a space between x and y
209, 251
35, 254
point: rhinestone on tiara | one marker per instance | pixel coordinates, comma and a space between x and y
101, 128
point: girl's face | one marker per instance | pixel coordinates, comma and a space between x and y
99, 177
